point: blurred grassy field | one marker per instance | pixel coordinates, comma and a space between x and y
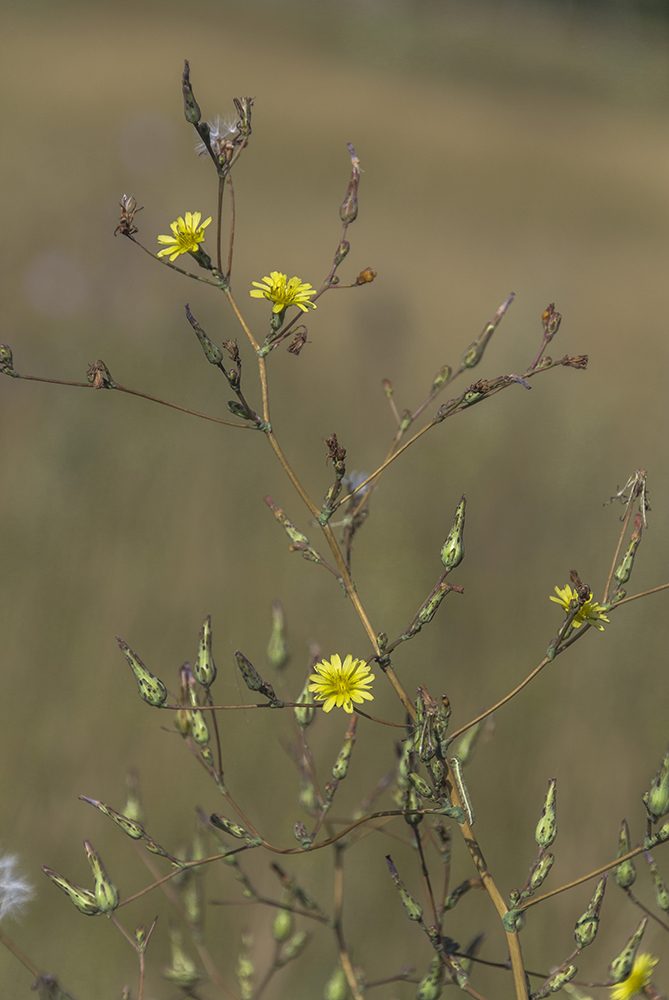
503, 150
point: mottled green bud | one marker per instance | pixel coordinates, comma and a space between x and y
661, 890
106, 893
301, 833
295, 947
241, 411
252, 678
587, 925
340, 769
624, 571
245, 970
205, 669
458, 973
656, 800
662, 834
441, 377
228, 827
336, 987
191, 108
540, 870
212, 353
282, 925
546, 831
413, 909
83, 899
625, 874
341, 252
349, 207
413, 803
453, 549
420, 785
304, 713
431, 986
129, 826
182, 971
556, 982
151, 689
7, 361
277, 650
622, 964
199, 728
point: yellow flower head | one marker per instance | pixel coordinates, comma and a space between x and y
638, 978
284, 293
187, 235
341, 685
591, 612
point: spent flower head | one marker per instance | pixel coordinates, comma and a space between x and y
283, 293
221, 132
187, 235
15, 890
341, 685
591, 612
638, 978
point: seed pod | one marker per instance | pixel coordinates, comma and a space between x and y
151, 688
622, 964
83, 899
587, 925
106, 893
625, 873
453, 549
546, 831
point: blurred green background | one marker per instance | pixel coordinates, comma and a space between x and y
505, 147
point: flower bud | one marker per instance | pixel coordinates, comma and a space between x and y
656, 800
191, 109
199, 728
340, 768
587, 925
420, 785
151, 688
336, 987
556, 982
277, 650
212, 352
546, 831
182, 970
282, 925
441, 377
228, 827
7, 361
413, 909
475, 351
431, 986
295, 946
661, 890
453, 549
622, 964
83, 899
252, 678
349, 207
301, 833
341, 252
624, 571
106, 893
128, 825
205, 669
625, 874
540, 870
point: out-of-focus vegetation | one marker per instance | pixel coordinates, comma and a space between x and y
504, 147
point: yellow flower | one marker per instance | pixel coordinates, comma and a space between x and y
284, 293
638, 978
188, 234
341, 685
591, 612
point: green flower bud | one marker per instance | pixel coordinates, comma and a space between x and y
308, 795
441, 377
106, 893
661, 890
556, 982
341, 252
129, 826
336, 987
540, 870
431, 986
624, 571
475, 351
413, 909
457, 971
83, 899
228, 827
453, 549
151, 689
420, 785
277, 650
340, 769
413, 802
191, 107
622, 965
301, 833
587, 925
241, 411
205, 669
295, 947
304, 716
199, 728
7, 361
182, 971
656, 800
546, 831
212, 353
252, 678
282, 925
245, 970
625, 874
